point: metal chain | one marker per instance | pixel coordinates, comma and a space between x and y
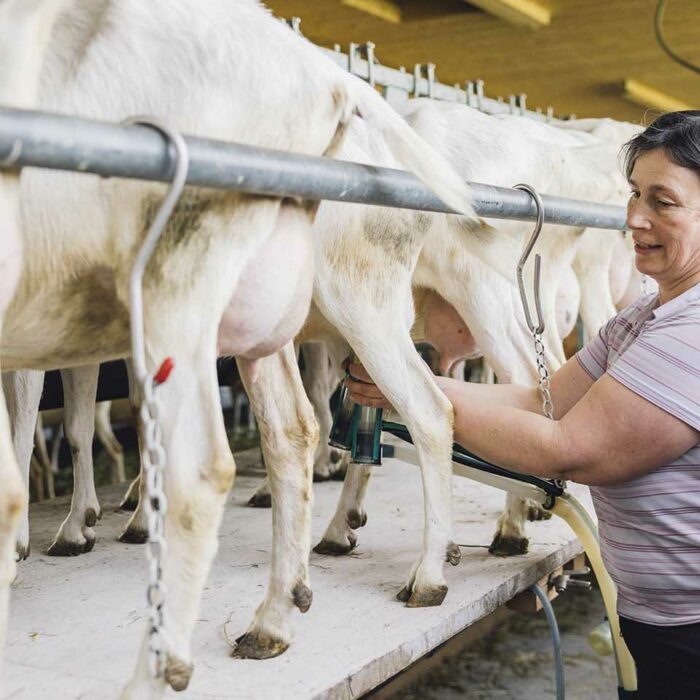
153, 454
543, 372
156, 506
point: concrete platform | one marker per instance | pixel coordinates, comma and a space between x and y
76, 624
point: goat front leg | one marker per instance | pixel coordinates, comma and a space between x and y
23, 392
76, 534
289, 435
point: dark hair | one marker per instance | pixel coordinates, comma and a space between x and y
677, 133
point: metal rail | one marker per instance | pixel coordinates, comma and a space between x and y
44, 140
398, 84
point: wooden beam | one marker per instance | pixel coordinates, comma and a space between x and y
523, 13
648, 96
384, 9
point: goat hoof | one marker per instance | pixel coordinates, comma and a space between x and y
336, 456
21, 551
404, 595
260, 500
65, 548
256, 645
508, 546
334, 548
427, 598
302, 596
453, 554
538, 513
91, 517
356, 519
318, 478
134, 535
177, 673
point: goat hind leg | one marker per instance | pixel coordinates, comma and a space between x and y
76, 534
22, 391
198, 475
282, 410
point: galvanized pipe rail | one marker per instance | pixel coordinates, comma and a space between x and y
40, 139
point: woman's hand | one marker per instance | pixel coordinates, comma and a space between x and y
361, 387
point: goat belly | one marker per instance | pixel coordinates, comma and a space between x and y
272, 298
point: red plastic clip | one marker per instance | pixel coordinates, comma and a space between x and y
164, 371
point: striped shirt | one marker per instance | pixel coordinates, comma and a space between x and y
650, 525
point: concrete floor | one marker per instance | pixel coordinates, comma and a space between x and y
76, 623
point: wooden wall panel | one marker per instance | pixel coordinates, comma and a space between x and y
578, 64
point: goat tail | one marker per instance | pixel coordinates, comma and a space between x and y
433, 169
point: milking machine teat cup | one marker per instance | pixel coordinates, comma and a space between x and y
357, 429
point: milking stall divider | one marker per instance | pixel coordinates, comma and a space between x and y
38, 139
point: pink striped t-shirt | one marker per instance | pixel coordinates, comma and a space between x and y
650, 526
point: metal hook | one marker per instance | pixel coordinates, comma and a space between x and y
470, 93
539, 328
352, 49
480, 95
138, 346
430, 72
369, 48
416, 80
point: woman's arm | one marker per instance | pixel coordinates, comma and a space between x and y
607, 433
568, 384
609, 436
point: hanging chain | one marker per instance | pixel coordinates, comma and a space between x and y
543, 372
153, 454
156, 506
536, 328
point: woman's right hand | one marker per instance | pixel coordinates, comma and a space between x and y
361, 387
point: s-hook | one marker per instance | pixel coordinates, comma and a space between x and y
536, 330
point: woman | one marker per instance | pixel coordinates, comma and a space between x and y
627, 417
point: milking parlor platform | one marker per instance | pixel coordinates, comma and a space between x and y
76, 623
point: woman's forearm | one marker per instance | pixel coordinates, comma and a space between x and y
512, 437
513, 395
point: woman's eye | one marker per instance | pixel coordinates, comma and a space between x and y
634, 195
664, 203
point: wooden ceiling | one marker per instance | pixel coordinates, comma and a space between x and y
578, 62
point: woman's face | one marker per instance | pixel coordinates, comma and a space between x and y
663, 214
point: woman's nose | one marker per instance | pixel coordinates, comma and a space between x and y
636, 216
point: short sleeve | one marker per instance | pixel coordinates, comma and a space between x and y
593, 357
662, 366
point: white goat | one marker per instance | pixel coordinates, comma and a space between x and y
481, 149
25, 26
225, 69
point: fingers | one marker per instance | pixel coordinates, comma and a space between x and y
366, 394
357, 371
361, 387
